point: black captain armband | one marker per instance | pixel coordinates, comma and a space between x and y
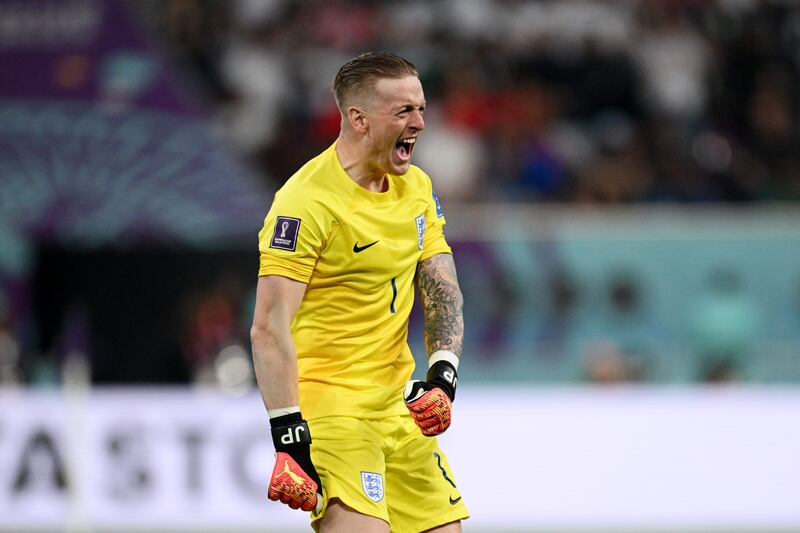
290, 432
442, 372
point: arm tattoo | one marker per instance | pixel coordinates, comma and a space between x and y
442, 304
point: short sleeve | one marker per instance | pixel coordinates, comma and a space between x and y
291, 238
434, 241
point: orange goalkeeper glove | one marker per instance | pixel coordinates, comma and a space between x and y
430, 401
294, 481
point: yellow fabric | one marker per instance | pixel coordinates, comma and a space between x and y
351, 329
419, 490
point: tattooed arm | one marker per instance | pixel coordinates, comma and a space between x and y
442, 304
430, 401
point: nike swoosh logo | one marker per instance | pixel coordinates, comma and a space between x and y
453, 502
357, 248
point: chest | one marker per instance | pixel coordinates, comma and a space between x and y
375, 242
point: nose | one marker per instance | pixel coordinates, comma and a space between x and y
417, 122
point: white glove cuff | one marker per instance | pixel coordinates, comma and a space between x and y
280, 411
443, 355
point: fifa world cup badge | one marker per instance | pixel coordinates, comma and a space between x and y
372, 483
285, 235
420, 230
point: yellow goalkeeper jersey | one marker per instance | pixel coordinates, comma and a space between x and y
357, 251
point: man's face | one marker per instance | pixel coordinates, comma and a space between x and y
395, 121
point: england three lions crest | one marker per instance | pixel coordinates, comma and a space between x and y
372, 483
420, 230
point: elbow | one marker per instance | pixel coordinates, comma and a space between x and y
261, 336
257, 333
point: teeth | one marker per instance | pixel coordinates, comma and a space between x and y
410, 140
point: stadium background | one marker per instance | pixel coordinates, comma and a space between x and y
621, 183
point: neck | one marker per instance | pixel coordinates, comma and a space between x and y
358, 168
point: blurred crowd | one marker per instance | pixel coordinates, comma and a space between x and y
590, 101
575, 101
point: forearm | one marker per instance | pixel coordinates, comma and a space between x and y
274, 355
275, 363
442, 304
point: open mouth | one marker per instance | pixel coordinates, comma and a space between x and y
404, 148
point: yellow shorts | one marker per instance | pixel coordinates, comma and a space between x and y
385, 468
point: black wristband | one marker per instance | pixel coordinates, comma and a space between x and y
289, 432
443, 375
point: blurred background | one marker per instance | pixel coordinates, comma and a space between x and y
621, 181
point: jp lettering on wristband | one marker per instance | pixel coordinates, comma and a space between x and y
442, 373
289, 437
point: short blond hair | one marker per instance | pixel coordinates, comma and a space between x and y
362, 72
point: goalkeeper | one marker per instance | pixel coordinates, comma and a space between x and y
343, 245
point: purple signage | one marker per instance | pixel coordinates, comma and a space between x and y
99, 144
88, 50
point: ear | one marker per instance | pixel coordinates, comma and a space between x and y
357, 119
